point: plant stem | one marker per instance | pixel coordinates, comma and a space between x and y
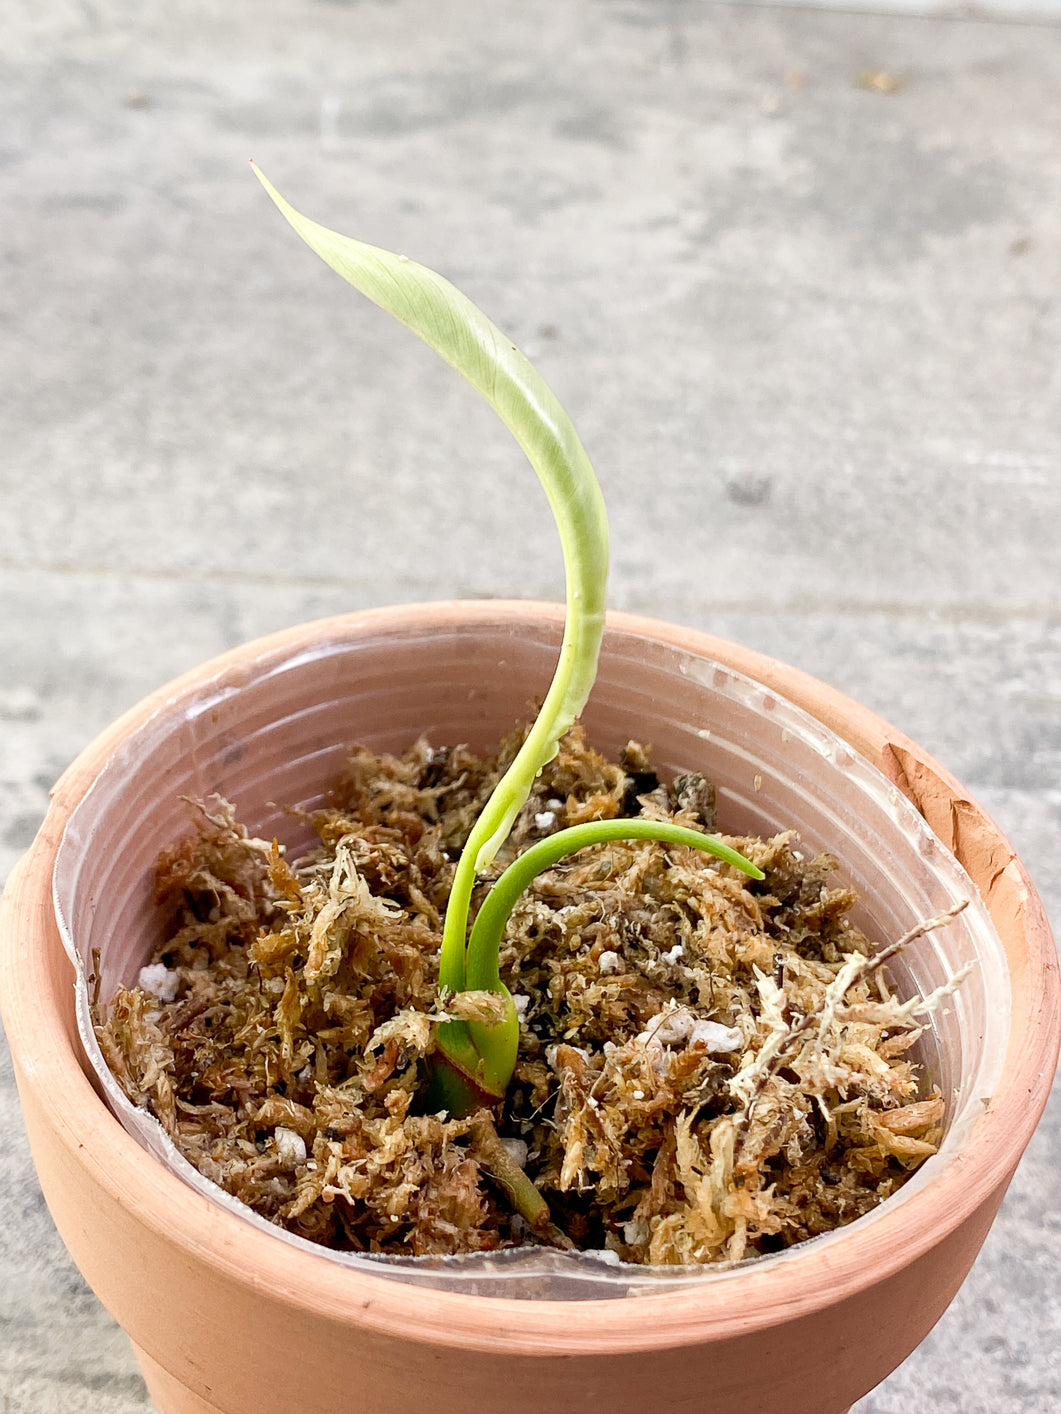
458, 330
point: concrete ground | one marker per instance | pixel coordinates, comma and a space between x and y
797, 275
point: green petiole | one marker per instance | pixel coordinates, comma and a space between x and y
485, 1066
485, 941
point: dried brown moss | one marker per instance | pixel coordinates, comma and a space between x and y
709, 1067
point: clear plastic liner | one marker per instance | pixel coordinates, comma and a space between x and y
272, 732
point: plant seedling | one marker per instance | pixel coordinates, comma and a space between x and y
474, 1061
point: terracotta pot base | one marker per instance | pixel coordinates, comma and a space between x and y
168, 1395
169, 1398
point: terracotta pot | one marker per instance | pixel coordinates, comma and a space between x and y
226, 1315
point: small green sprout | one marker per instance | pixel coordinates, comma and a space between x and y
475, 1061
481, 1074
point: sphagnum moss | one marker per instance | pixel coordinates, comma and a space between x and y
689, 1087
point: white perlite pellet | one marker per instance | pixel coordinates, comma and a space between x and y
517, 1150
716, 1037
290, 1146
681, 1027
636, 1231
159, 981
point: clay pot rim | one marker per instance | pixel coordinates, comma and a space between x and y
751, 1297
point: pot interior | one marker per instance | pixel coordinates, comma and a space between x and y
268, 726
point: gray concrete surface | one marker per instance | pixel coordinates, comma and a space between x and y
796, 273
